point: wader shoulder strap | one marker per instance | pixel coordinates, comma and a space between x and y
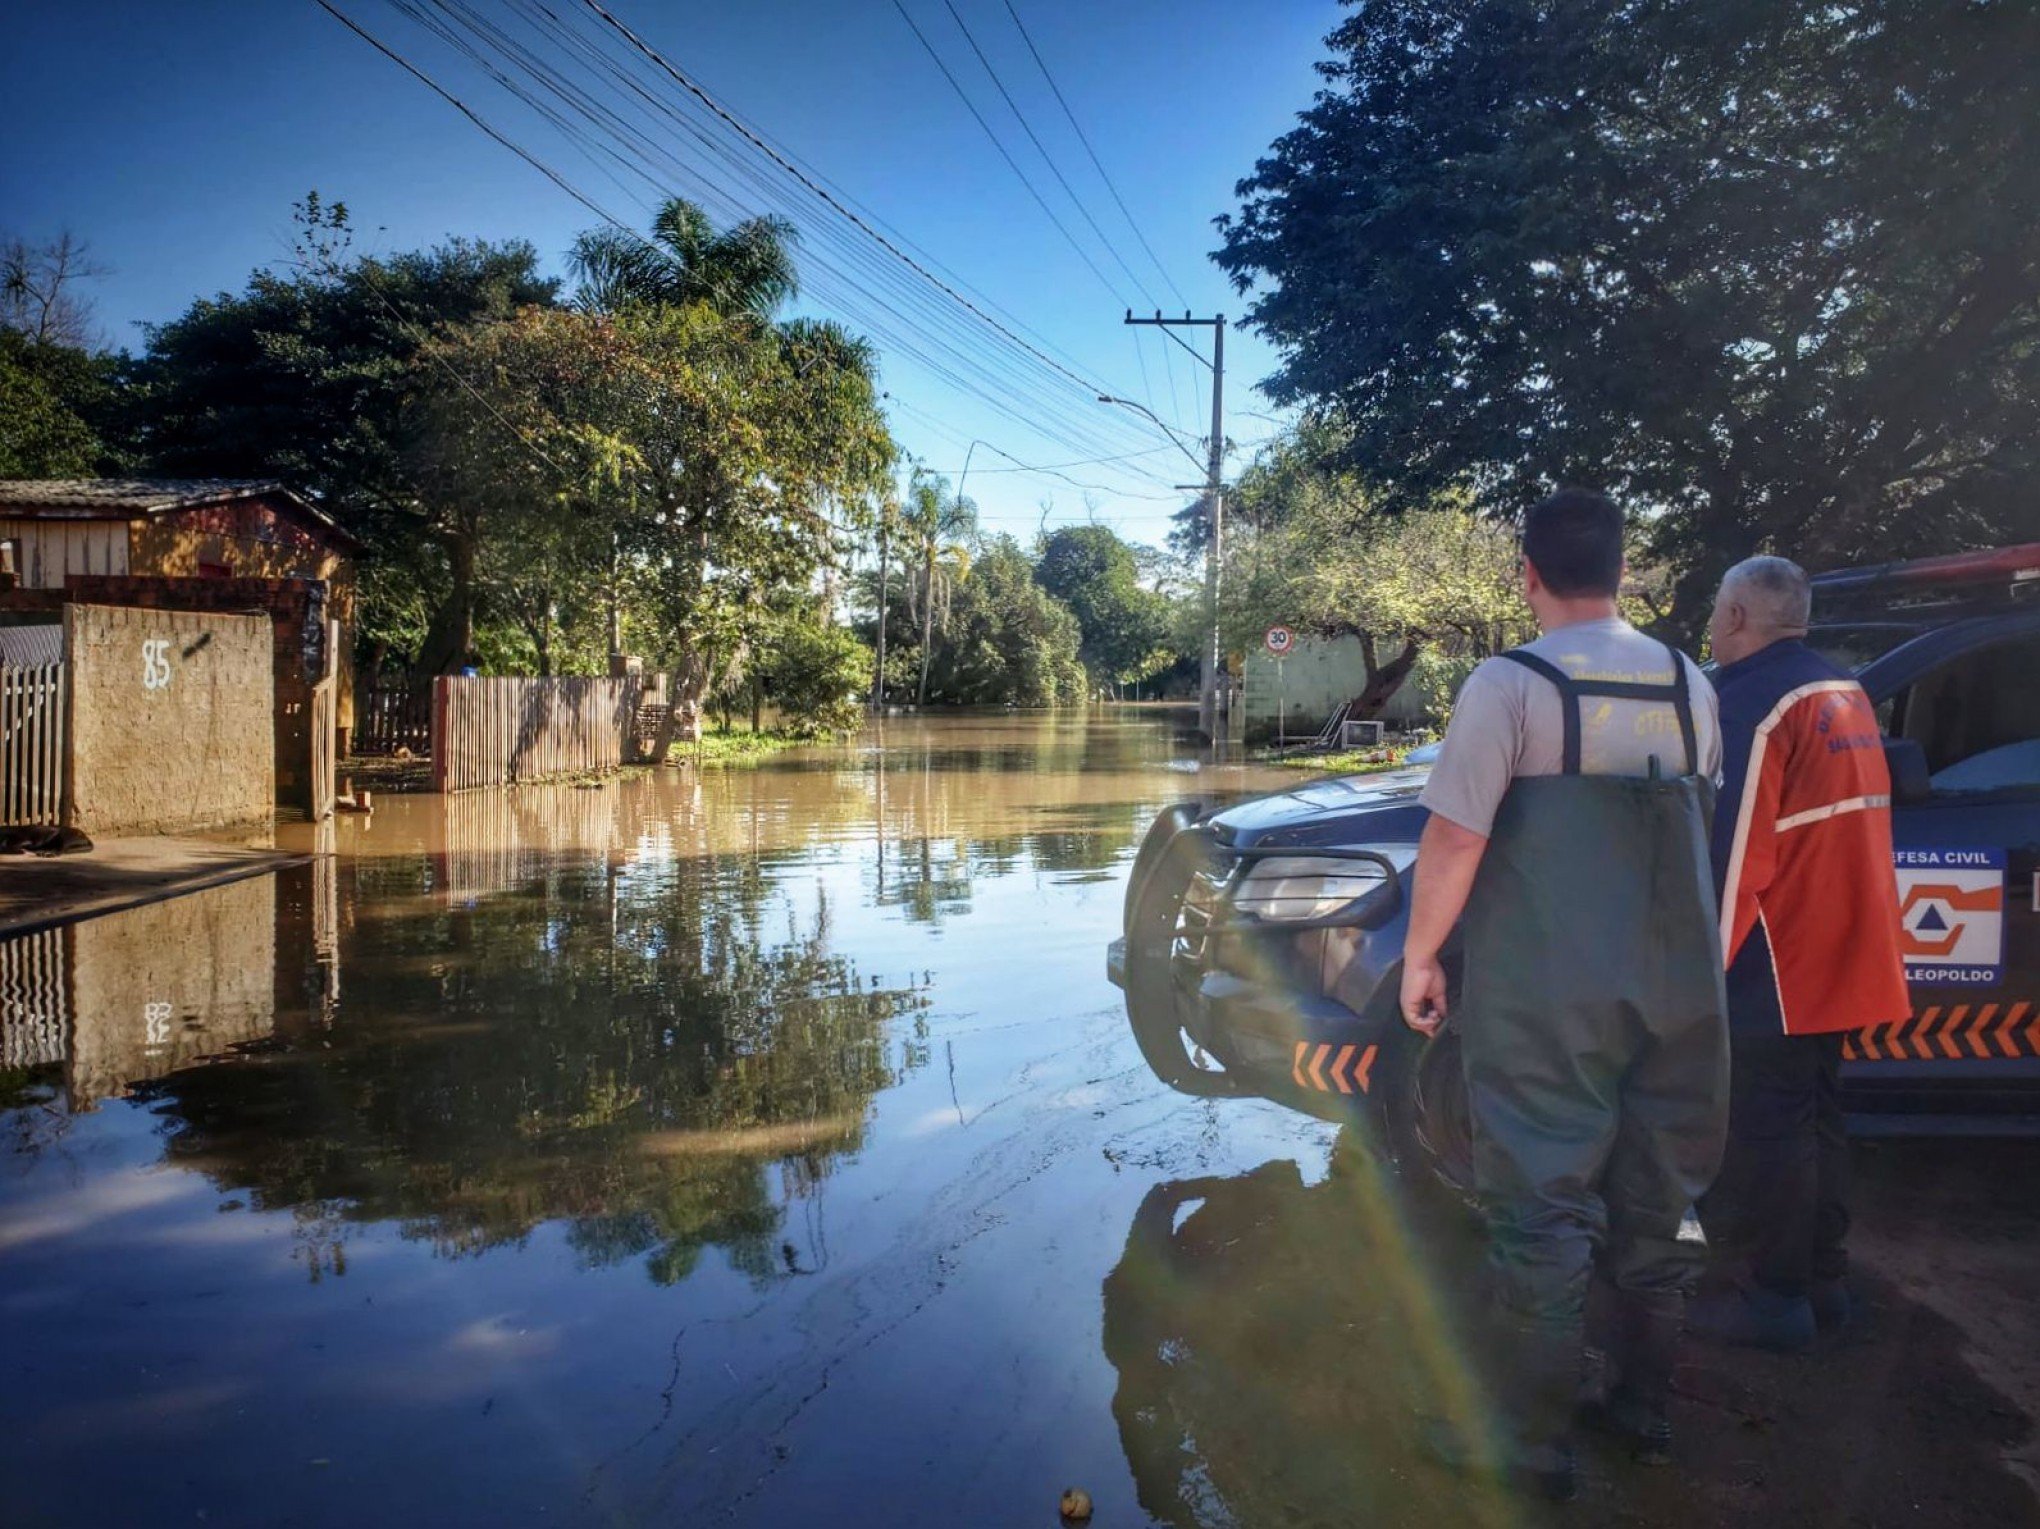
1568, 701
1677, 693
1682, 703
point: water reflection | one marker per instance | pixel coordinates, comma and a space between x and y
607, 1006
625, 1064
1277, 1341
523, 1046
115, 1002
583, 1136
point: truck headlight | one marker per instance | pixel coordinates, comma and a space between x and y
1303, 887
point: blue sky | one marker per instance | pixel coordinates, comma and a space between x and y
174, 138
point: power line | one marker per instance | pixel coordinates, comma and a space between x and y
987, 472
609, 122
787, 165
603, 129
1005, 154
1097, 163
1041, 148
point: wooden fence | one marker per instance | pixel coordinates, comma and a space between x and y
32, 744
325, 719
394, 714
497, 731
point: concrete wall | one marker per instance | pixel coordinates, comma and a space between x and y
171, 719
297, 608
1319, 675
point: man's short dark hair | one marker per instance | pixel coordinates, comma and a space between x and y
1575, 540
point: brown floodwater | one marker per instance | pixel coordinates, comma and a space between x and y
761, 1146
745, 1144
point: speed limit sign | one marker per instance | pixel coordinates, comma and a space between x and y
1280, 640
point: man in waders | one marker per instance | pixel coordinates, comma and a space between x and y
1569, 822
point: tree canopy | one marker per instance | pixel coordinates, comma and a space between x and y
46, 393
1770, 270
1125, 627
1312, 550
1011, 642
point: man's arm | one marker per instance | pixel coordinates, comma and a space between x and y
1447, 858
1466, 787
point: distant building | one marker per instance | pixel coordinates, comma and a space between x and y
1297, 694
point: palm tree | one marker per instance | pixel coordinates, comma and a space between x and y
938, 525
745, 274
745, 270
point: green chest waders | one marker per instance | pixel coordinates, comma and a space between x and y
1596, 1047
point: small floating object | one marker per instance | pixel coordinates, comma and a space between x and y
1076, 1505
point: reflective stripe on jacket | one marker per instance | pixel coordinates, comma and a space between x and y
1802, 841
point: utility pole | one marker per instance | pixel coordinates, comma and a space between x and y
884, 549
1209, 719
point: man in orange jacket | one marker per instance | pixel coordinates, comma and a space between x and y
1810, 930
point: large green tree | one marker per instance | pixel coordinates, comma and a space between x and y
1312, 550
773, 447
1771, 269
515, 481
310, 375
1011, 642
47, 392
1125, 627
57, 392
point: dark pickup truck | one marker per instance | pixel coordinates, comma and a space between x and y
1263, 941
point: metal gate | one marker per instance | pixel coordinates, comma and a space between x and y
32, 744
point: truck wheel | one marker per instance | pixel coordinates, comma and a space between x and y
1429, 1118
1151, 998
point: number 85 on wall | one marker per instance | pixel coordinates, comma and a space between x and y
156, 663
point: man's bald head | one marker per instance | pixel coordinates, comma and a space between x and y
1762, 600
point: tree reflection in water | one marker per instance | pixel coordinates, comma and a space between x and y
631, 1054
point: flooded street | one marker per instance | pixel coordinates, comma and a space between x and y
767, 1146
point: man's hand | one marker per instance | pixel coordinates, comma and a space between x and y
1423, 994
1447, 857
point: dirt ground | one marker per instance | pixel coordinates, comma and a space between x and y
36, 893
1924, 1411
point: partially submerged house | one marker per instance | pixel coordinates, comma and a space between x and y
221, 546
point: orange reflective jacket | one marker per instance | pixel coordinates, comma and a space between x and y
1802, 840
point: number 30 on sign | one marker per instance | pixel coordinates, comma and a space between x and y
1280, 641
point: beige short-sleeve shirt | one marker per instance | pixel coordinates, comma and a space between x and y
1509, 723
